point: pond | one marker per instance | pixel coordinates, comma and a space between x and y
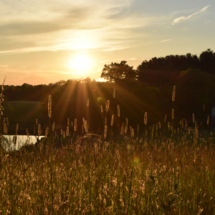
15, 142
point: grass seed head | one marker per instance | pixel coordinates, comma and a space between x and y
112, 120
86, 126
145, 118
118, 110
105, 131
53, 126
173, 93
172, 113
5, 128
193, 117
107, 105
39, 130
50, 106
75, 125
67, 131
126, 125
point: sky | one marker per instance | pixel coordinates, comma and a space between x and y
45, 41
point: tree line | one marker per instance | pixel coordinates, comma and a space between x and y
162, 70
146, 89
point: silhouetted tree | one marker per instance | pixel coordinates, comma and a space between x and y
115, 72
207, 61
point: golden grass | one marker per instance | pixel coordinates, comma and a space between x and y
162, 170
134, 177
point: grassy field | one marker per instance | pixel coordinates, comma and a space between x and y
165, 170
131, 177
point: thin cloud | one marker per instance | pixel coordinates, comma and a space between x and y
71, 25
163, 41
3, 66
183, 18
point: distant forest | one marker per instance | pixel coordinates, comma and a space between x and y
148, 88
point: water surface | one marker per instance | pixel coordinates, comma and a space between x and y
15, 142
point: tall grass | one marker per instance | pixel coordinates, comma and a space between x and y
158, 173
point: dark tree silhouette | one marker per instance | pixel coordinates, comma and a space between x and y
115, 72
207, 61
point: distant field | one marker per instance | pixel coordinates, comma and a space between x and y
22, 111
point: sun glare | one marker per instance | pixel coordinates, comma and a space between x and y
81, 63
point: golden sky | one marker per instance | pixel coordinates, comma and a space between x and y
44, 41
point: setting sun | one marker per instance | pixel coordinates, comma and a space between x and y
81, 63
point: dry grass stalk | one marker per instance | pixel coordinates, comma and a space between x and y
118, 110
50, 106
193, 117
172, 116
126, 125
105, 131
17, 128
112, 120
145, 118
107, 105
132, 132
5, 128
182, 123
15, 139
173, 93
53, 126
75, 125
39, 130
208, 118
146, 133
165, 117
67, 131
86, 126
27, 132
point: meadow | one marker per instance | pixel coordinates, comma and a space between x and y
153, 169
